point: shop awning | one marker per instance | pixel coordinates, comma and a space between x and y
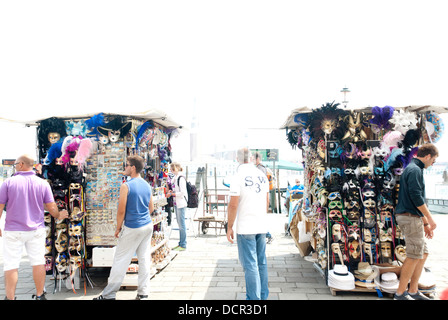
155, 115
291, 123
284, 165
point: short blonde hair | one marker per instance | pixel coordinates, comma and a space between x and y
176, 165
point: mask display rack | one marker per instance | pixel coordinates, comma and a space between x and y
352, 161
83, 158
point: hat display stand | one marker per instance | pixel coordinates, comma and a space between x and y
84, 168
353, 159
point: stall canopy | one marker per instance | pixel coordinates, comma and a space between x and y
155, 115
291, 123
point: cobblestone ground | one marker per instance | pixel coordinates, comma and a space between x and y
209, 270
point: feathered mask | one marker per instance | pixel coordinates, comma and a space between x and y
93, 124
381, 117
404, 121
76, 128
115, 129
324, 121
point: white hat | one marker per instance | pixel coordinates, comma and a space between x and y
340, 278
387, 282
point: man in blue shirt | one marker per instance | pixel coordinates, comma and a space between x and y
134, 231
414, 219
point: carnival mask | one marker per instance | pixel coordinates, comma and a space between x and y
54, 137
75, 229
337, 232
103, 139
337, 250
335, 214
61, 262
61, 242
386, 235
328, 125
354, 249
386, 249
353, 232
400, 253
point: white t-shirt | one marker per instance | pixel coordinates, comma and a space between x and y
252, 187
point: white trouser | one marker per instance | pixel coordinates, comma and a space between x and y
131, 241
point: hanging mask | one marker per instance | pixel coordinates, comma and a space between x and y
386, 235
61, 242
365, 155
74, 244
61, 262
115, 129
386, 250
400, 253
367, 235
54, 137
380, 153
48, 245
103, 139
321, 148
353, 232
328, 125
354, 249
368, 251
75, 262
337, 232
75, 229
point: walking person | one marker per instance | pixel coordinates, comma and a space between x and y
262, 168
25, 196
180, 195
415, 220
247, 212
134, 231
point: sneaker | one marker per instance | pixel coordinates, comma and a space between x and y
269, 240
100, 297
404, 296
141, 297
419, 296
6, 298
41, 297
179, 248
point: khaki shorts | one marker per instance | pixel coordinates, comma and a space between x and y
414, 235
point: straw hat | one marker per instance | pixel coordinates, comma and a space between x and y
340, 278
365, 275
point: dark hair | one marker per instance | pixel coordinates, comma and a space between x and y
426, 149
137, 162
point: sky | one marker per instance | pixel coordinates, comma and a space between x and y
232, 64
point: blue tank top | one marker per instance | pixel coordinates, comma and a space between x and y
137, 205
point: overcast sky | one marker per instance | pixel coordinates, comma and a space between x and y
239, 64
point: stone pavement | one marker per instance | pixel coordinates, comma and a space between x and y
209, 270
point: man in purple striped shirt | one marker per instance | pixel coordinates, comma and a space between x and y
25, 196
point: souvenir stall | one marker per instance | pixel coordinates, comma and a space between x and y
83, 158
353, 160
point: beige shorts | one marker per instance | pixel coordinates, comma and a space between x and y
414, 235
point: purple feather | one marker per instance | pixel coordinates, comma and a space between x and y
381, 116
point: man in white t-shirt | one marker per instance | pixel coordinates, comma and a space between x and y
247, 209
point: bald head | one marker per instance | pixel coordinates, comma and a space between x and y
24, 163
